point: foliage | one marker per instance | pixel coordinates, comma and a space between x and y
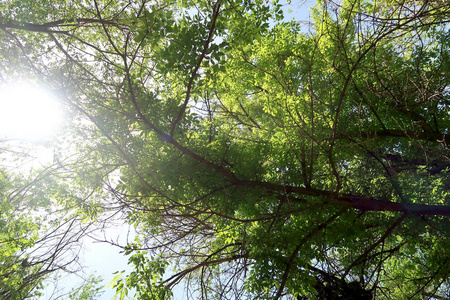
18, 232
145, 279
258, 159
91, 289
35, 239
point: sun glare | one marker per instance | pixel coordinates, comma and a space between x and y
28, 112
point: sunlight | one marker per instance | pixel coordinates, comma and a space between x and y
28, 113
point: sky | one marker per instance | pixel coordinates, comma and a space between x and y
28, 112
298, 10
39, 122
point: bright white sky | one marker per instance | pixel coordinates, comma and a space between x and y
28, 112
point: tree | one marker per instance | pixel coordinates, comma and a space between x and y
89, 290
261, 161
37, 239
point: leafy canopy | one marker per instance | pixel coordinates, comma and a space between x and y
255, 157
